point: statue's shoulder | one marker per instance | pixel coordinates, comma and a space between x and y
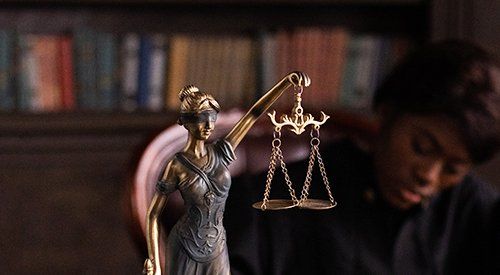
224, 149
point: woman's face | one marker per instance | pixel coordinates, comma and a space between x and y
202, 124
417, 157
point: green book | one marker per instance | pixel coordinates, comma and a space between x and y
85, 68
107, 66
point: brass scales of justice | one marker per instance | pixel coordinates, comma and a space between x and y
298, 122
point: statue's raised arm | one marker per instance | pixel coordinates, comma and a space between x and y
296, 79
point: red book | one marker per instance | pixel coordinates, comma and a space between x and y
337, 40
68, 100
303, 61
284, 56
48, 89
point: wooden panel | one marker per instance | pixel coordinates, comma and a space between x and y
65, 221
64, 201
19, 124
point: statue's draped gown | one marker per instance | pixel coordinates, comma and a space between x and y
197, 242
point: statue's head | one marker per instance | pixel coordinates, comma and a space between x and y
198, 112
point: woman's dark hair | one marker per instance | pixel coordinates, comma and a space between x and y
454, 78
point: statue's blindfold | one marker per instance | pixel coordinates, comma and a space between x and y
202, 117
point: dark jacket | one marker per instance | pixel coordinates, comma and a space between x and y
457, 232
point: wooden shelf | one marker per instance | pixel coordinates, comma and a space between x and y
389, 17
83, 123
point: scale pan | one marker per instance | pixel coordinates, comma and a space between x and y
275, 205
314, 204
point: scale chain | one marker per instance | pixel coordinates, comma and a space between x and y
269, 178
307, 182
277, 154
312, 157
287, 177
325, 178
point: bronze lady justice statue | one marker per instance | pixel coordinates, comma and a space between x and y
197, 242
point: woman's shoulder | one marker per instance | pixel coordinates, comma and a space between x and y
480, 193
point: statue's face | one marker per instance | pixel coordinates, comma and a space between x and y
417, 157
201, 125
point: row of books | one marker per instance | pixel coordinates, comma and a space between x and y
345, 68
90, 70
85, 70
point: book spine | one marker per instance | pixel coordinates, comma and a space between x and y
7, 95
337, 39
48, 87
106, 52
178, 58
130, 71
381, 62
266, 66
227, 64
27, 73
348, 93
364, 68
246, 91
156, 99
192, 66
68, 99
285, 51
85, 68
210, 73
305, 40
143, 88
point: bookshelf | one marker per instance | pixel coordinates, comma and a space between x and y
63, 172
102, 29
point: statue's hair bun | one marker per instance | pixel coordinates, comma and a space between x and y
187, 90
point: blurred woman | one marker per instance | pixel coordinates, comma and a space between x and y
408, 203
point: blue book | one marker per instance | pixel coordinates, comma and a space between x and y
26, 78
144, 71
7, 95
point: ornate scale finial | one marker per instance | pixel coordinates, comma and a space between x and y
297, 120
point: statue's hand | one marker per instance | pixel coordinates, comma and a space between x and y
299, 79
150, 268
